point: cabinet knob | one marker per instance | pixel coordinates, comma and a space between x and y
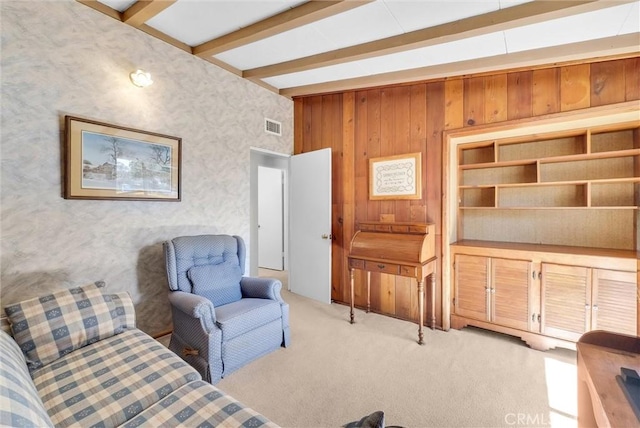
381, 266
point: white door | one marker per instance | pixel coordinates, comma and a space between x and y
310, 225
270, 218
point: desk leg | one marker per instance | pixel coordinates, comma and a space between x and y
433, 299
352, 294
421, 310
368, 291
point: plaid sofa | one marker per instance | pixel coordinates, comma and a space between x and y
75, 358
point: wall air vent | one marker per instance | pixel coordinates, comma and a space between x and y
272, 127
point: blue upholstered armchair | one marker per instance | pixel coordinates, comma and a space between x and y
221, 319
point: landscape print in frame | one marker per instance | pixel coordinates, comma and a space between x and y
104, 161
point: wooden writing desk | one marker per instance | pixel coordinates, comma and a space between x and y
404, 249
601, 400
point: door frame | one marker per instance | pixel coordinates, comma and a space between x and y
270, 159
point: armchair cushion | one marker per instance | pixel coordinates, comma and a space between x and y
245, 315
49, 327
219, 283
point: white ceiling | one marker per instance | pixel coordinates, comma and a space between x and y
296, 47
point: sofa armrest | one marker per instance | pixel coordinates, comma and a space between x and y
195, 306
261, 288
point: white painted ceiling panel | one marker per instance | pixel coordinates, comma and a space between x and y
461, 50
632, 23
210, 19
292, 44
194, 22
119, 5
415, 15
363, 24
586, 26
360, 25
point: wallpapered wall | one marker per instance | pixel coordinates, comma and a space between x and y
63, 58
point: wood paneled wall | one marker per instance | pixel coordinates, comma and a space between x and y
363, 124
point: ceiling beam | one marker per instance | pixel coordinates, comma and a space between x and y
304, 14
143, 10
499, 20
617, 46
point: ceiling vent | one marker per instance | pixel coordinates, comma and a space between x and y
272, 127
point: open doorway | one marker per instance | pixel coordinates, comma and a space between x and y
270, 218
268, 201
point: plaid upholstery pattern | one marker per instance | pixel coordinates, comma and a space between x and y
111, 381
199, 404
125, 309
49, 327
21, 405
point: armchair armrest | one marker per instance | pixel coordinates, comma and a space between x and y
195, 306
261, 288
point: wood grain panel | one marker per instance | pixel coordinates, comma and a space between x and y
471, 284
454, 108
298, 125
418, 143
414, 118
575, 89
315, 142
474, 101
608, 82
519, 95
347, 222
495, 98
511, 280
566, 301
403, 297
374, 129
614, 301
546, 91
433, 174
632, 79
402, 142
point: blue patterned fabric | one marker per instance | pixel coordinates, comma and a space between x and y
220, 283
21, 404
245, 315
218, 334
111, 381
184, 252
128, 378
124, 309
199, 404
49, 327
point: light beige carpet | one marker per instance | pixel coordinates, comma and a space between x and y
335, 372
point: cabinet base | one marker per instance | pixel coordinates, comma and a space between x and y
533, 340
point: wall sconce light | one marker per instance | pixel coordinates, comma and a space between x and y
140, 78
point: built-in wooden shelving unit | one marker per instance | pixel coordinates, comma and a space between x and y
542, 226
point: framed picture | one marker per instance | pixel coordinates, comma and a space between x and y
103, 161
396, 177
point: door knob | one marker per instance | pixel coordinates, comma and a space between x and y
325, 236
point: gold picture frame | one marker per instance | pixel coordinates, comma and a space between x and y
104, 161
396, 177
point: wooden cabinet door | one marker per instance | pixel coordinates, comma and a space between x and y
615, 304
472, 286
510, 290
566, 301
